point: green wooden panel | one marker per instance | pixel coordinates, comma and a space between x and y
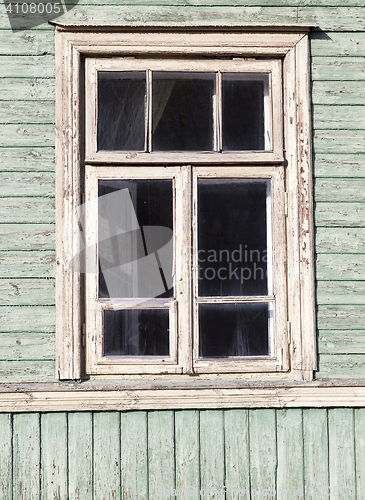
27, 159
26, 264
340, 317
37, 89
106, 455
23, 42
338, 117
27, 346
54, 476
26, 112
27, 210
344, 18
26, 456
340, 292
360, 450
341, 93
237, 455
212, 453
27, 237
334, 165
338, 214
28, 66
22, 184
263, 454
6, 456
337, 43
341, 436
133, 455
340, 240
340, 267
341, 342
338, 141
80, 446
338, 68
161, 451
315, 436
341, 366
27, 135
290, 481
27, 318
23, 371
187, 454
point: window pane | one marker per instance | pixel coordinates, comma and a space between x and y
121, 111
233, 330
232, 237
182, 106
243, 113
136, 332
135, 238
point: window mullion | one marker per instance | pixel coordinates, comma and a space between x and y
148, 122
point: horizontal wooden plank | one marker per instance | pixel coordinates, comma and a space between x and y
335, 165
26, 209
338, 214
27, 236
341, 342
344, 18
27, 319
339, 141
27, 135
27, 346
27, 291
341, 366
26, 112
338, 117
23, 371
339, 317
24, 42
35, 89
28, 66
21, 184
340, 190
340, 267
341, 92
337, 43
340, 240
340, 292
28, 264
338, 68
27, 159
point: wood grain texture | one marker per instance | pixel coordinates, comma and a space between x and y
341, 366
22, 371
27, 237
332, 117
341, 292
6, 456
27, 66
340, 267
37, 89
80, 446
339, 92
25, 112
340, 240
27, 210
336, 44
338, 68
27, 159
28, 264
27, 135
340, 317
27, 346
339, 214
339, 141
187, 454
359, 434
341, 341
31, 42
335, 165
36, 319
332, 18
27, 184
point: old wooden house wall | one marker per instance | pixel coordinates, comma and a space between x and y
98, 455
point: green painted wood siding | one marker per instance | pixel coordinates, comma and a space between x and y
27, 347
316, 454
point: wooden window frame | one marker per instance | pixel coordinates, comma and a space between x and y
291, 47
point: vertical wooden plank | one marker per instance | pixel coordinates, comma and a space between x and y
6, 460
106, 455
80, 445
212, 454
54, 481
341, 436
26, 456
290, 480
187, 454
133, 455
161, 455
360, 451
263, 458
315, 435
237, 454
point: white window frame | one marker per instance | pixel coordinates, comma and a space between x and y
72, 47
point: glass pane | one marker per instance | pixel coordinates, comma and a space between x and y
136, 332
243, 120
233, 330
182, 106
121, 111
232, 237
135, 240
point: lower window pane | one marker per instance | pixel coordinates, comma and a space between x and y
227, 330
136, 332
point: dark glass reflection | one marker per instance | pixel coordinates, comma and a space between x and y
243, 114
132, 332
232, 237
182, 112
135, 244
233, 330
121, 111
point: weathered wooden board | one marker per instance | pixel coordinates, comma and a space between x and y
54, 456
37, 89
80, 446
27, 318
6, 456
315, 438
25, 184
341, 342
333, 18
28, 135
337, 190
341, 366
27, 66
338, 141
340, 267
340, 240
341, 93
27, 159
340, 292
338, 68
333, 117
27, 346
28, 264
22, 371
336, 43
27, 236
339, 214
133, 455
187, 454
338, 317
335, 165
27, 210
26, 112
31, 42
359, 434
